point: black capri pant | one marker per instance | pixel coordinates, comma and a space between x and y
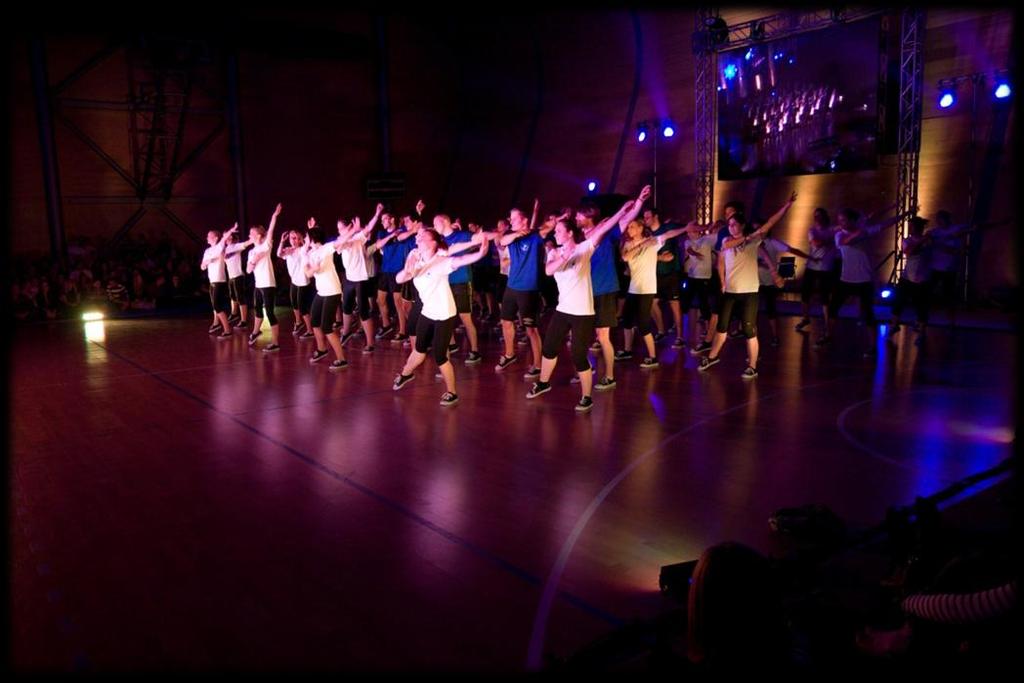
582, 327
822, 280
358, 296
701, 290
637, 312
413, 320
747, 303
917, 293
219, 297
864, 291
434, 336
301, 298
323, 311
266, 297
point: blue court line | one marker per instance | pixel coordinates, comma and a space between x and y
483, 553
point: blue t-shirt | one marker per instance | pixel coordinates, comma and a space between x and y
671, 247
604, 277
394, 253
527, 259
462, 275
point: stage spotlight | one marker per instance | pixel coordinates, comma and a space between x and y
718, 30
668, 130
947, 99
730, 72
749, 55
92, 315
1002, 90
886, 292
592, 186
641, 132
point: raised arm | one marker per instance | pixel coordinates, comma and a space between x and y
634, 211
273, 223
731, 242
460, 247
376, 217
872, 230
469, 258
629, 246
536, 212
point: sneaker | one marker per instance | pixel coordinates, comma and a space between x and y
504, 362
648, 363
749, 373
345, 337
307, 335
214, 329
703, 347
735, 334
707, 361
822, 341
232, 319
297, 330
679, 343
240, 324
534, 371
596, 346
318, 356
576, 378
449, 399
605, 384
401, 380
399, 338
452, 348
584, 405
253, 337
538, 388
775, 341
369, 349
225, 335
384, 331
802, 324
271, 348
474, 358
338, 365
623, 355
658, 336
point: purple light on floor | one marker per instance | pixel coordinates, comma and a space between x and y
658, 405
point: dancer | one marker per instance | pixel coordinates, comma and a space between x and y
360, 274
261, 264
913, 284
213, 264
428, 267
669, 280
238, 282
389, 292
738, 271
569, 264
699, 260
768, 275
820, 273
605, 280
640, 251
301, 291
318, 260
460, 283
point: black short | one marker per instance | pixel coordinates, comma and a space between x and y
526, 304
637, 313
484, 277
408, 291
388, 283
358, 297
747, 303
668, 286
700, 289
219, 298
582, 327
323, 312
865, 293
822, 280
606, 310
434, 336
301, 298
414, 316
769, 294
238, 287
463, 294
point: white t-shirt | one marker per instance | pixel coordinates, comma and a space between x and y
263, 270
353, 258
321, 261
296, 268
504, 260
915, 267
774, 248
643, 267
435, 292
826, 253
741, 267
575, 291
233, 258
700, 269
856, 264
215, 268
